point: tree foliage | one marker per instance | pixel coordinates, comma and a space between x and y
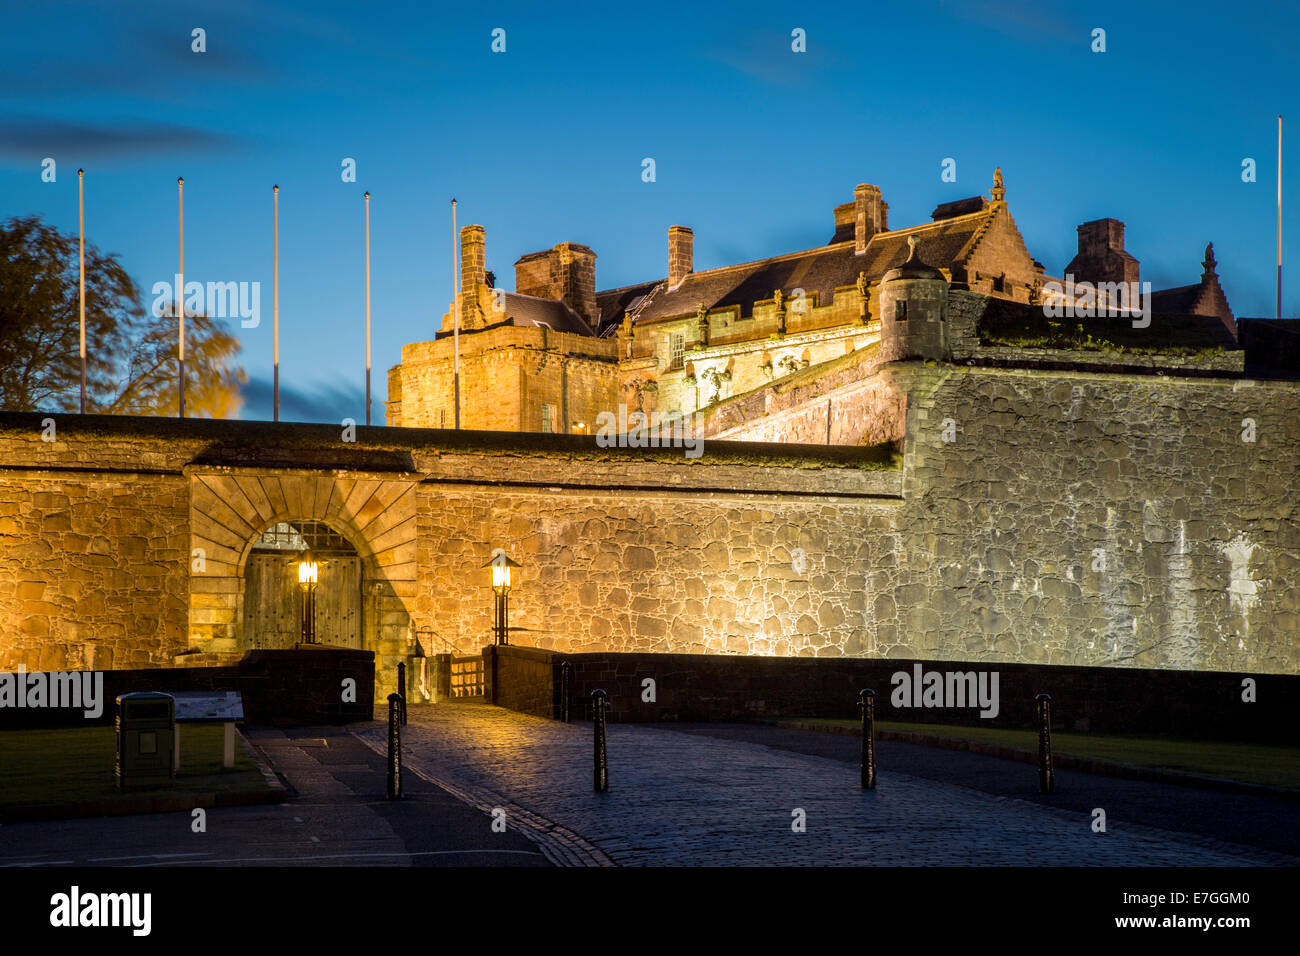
131, 354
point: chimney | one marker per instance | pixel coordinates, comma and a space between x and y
533, 275
870, 215
1102, 257
565, 273
681, 254
573, 271
473, 249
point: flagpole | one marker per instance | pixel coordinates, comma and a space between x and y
180, 287
367, 308
1279, 217
275, 197
81, 218
455, 299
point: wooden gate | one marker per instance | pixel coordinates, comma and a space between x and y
273, 602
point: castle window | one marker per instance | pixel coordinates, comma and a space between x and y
677, 349
900, 310
1000, 283
548, 419
442, 418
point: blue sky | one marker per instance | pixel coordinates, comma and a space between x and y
753, 144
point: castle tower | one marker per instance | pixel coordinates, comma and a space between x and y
914, 311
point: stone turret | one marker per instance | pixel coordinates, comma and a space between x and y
914, 310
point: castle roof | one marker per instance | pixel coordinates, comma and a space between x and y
551, 313
529, 310
945, 243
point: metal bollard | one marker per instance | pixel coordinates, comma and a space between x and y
566, 690
1046, 781
395, 705
867, 707
401, 687
601, 775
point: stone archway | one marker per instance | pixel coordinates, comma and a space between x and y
230, 508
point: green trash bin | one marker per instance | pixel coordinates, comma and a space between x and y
145, 727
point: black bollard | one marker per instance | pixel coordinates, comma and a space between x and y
401, 687
1046, 782
395, 705
867, 707
601, 775
566, 689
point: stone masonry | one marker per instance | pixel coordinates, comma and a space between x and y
1063, 517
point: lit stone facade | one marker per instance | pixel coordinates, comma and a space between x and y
694, 340
1036, 515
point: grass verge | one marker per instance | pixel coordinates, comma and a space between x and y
75, 764
1269, 765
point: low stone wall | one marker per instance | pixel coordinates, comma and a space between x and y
1001, 356
525, 679
1131, 701
277, 687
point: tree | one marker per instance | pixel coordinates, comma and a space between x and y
131, 364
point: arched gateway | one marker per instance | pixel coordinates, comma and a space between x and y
247, 528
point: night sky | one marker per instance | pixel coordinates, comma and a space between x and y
753, 144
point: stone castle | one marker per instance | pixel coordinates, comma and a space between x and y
554, 354
908, 457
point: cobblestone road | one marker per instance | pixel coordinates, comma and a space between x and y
682, 799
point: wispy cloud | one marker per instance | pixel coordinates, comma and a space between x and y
1025, 19
25, 137
321, 403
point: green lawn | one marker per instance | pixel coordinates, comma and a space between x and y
1251, 763
63, 765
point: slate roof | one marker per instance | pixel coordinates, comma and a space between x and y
960, 207
1181, 299
531, 310
944, 244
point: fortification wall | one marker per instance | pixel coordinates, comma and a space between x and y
1068, 517
1043, 517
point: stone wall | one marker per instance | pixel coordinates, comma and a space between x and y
299, 686
93, 569
522, 678
1067, 518
844, 402
1133, 701
507, 372
1097, 519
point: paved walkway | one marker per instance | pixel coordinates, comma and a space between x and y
1266, 822
338, 815
686, 799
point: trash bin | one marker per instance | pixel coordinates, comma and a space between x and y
145, 725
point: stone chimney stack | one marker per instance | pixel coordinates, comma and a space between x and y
870, 215
473, 252
566, 273
681, 254
574, 271
1101, 256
